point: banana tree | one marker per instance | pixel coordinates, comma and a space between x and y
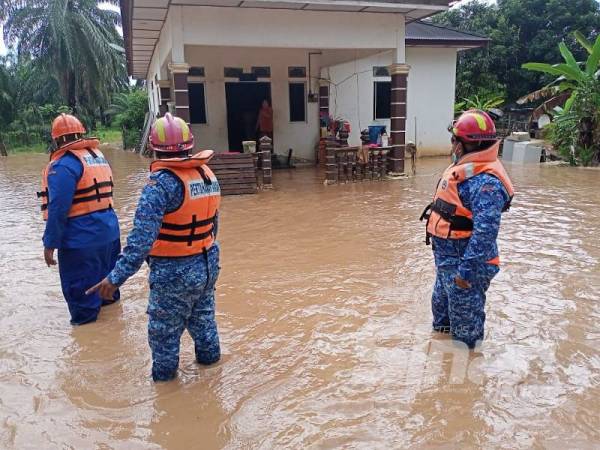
580, 81
571, 76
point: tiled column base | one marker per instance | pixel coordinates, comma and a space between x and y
398, 109
180, 90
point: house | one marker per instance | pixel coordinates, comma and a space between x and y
213, 62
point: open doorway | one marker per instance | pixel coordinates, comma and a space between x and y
244, 100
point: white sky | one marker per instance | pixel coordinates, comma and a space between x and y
3, 48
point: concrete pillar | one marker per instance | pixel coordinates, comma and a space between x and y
179, 73
399, 72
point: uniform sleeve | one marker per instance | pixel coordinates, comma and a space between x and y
63, 177
488, 198
159, 195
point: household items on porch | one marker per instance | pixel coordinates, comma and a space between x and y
249, 146
378, 135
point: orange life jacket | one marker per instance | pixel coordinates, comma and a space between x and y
189, 230
447, 217
94, 189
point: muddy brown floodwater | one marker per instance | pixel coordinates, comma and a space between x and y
323, 309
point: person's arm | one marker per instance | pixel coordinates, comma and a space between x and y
487, 202
62, 183
156, 196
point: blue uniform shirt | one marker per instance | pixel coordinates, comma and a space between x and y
163, 193
485, 196
92, 230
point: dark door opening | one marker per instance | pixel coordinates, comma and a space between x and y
244, 100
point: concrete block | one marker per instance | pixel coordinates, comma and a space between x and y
527, 152
507, 150
519, 137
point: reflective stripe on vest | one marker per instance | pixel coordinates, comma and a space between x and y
447, 217
189, 230
94, 190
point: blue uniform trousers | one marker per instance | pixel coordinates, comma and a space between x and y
80, 269
182, 296
461, 312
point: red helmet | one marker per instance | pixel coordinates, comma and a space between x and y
474, 126
171, 134
66, 124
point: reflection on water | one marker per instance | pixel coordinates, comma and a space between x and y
323, 308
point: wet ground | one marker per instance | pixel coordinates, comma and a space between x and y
323, 308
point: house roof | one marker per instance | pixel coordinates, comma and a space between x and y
143, 20
421, 33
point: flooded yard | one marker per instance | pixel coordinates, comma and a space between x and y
325, 323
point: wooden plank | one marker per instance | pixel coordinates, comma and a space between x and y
232, 166
242, 192
236, 173
234, 176
238, 183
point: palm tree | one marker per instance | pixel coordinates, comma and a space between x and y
75, 42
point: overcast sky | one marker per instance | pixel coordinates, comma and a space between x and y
3, 49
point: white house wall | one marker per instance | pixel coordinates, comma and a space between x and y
431, 85
300, 136
290, 29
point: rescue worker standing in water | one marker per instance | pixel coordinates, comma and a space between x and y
175, 229
463, 223
77, 206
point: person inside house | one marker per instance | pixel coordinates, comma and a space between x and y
264, 124
175, 229
463, 223
77, 205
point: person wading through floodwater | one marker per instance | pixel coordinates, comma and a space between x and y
77, 205
463, 223
175, 230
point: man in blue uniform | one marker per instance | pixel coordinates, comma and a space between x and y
463, 223
175, 229
80, 221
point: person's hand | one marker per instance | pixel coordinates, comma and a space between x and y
463, 284
49, 256
105, 289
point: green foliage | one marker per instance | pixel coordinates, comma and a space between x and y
71, 42
128, 111
520, 31
576, 127
109, 135
484, 103
30, 126
562, 133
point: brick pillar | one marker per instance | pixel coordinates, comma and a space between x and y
324, 99
180, 90
165, 96
331, 167
398, 109
265, 147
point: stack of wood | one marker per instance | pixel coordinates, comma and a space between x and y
236, 173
